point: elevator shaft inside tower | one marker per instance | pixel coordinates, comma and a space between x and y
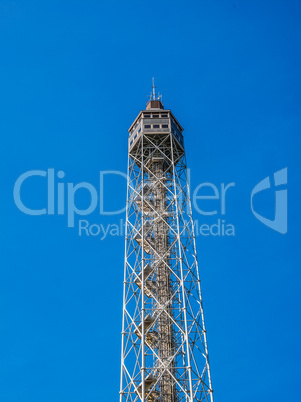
163, 309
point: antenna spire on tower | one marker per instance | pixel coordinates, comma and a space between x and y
154, 90
153, 95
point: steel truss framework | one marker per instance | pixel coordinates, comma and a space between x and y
164, 347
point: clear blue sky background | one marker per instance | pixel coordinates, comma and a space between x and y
73, 76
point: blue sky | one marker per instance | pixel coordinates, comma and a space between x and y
73, 76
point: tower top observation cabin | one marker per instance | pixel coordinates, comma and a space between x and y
155, 120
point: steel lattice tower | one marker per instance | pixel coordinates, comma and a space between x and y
164, 347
